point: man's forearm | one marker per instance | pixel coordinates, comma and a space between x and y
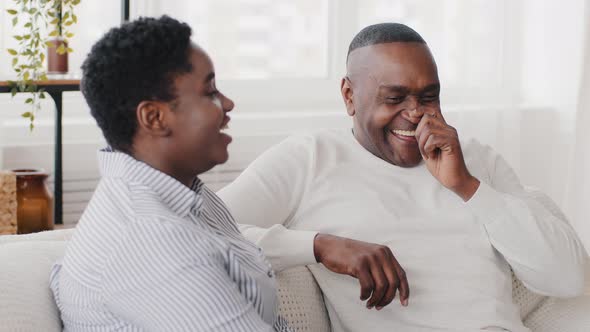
544, 252
283, 247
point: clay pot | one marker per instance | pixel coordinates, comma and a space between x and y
34, 211
57, 63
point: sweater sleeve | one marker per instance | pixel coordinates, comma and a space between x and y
266, 195
543, 250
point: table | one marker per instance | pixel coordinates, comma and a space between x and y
55, 88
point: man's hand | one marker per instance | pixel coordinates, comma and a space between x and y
439, 145
377, 270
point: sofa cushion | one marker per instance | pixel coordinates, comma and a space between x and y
27, 302
301, 301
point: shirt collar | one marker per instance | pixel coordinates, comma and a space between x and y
178, 197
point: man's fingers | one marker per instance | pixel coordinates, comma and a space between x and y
366, 282
404, 286
391, 274
381, 284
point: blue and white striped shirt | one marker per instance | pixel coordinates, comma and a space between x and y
150, 254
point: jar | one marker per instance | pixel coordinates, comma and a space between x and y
34, 201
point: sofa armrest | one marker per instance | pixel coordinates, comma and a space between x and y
563, 315
301, 300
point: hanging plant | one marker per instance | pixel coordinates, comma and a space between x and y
57, 16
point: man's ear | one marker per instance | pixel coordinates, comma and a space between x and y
346, 91
154, 117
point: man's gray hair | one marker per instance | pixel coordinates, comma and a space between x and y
384, 33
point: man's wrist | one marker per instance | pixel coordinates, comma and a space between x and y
467, 188
318, 244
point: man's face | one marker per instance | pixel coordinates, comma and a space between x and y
388, 89
199, 114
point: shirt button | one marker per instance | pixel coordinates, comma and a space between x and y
270, 274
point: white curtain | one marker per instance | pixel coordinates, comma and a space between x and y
578, 201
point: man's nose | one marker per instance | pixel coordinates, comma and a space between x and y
413, 112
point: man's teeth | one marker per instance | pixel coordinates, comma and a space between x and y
225, 126
404, 132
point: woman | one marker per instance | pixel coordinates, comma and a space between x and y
156, 249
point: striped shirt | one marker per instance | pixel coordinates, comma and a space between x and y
150, 254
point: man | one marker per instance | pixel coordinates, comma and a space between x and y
455, 216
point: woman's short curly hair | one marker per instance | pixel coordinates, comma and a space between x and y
134, 62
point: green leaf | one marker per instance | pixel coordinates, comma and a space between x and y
42, 95
18, 37
43, 77
13, 91
12, 52
14, 61
69, 34
68, 23
50, 44
66, 16
32, 10
54, 21
75, 18
15, 21
27, 37
53, 33
70, 50
28, 25
26, 76
61, 49
31, 126
26, 114
42, 57
11, 11
29, 101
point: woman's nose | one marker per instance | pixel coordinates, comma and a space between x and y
227, 104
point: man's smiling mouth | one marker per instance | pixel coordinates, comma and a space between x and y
406, 136
408, 133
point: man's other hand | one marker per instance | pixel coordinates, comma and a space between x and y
379, 273
439, 145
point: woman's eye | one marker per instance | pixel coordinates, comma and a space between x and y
213, 93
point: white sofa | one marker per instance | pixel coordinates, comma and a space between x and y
26, 303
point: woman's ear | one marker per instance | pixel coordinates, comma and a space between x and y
153, 118
347, 93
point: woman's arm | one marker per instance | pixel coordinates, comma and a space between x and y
168, 279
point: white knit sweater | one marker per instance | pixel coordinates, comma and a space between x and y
457, 255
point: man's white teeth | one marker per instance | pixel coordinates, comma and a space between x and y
404, 132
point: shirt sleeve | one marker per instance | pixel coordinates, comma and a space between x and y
543, 249
266, 195
168, 279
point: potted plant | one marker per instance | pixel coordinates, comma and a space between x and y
27, 61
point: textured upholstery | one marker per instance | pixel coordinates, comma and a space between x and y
301, 301
26, 303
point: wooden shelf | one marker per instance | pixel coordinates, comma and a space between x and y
48, 82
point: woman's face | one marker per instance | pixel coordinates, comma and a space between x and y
199, 116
